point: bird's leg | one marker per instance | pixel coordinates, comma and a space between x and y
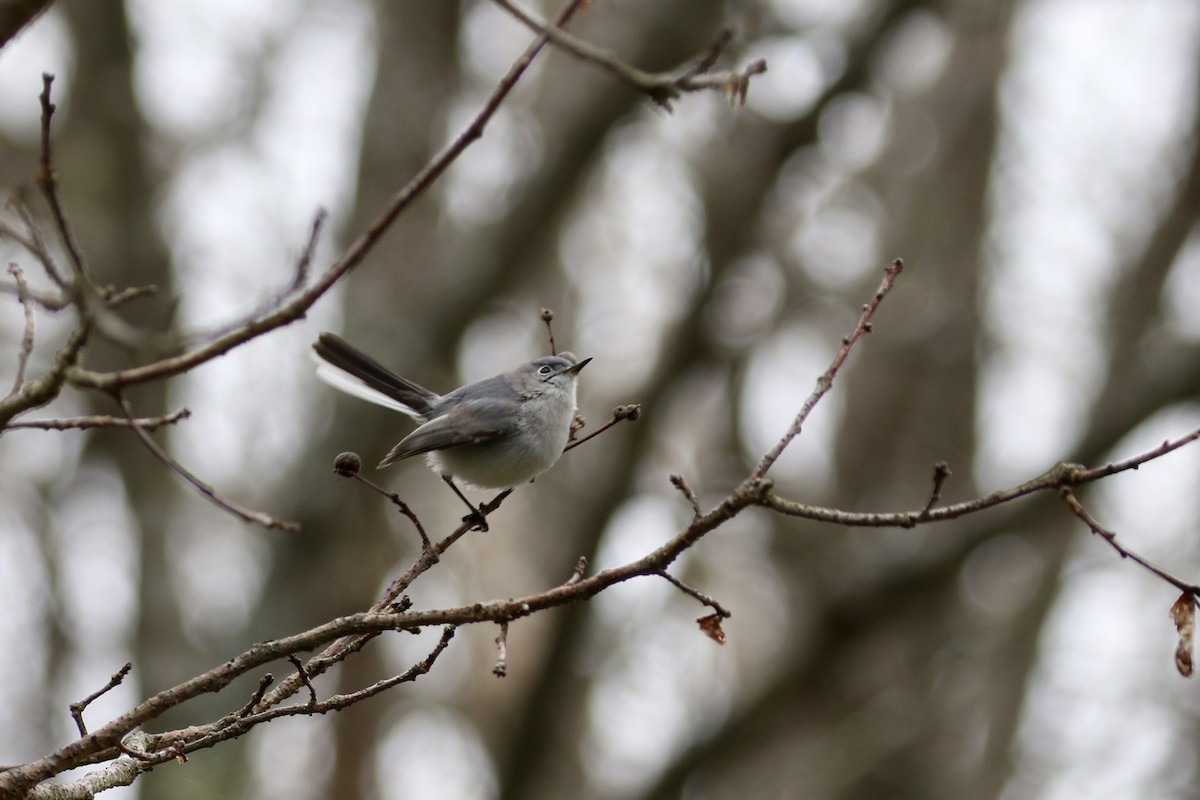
476, 517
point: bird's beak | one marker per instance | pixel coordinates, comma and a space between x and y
574, 368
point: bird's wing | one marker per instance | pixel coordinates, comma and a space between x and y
472, 422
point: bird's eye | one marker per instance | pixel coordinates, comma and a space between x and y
545, 369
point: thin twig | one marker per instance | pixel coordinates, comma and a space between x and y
239, 511
1109, 536
48, 301
35, 243
93, 302
693, 593
299, 278
709, 59
340, 649
303, 673
548, 318
137, 755
351, 258
263, 684
941, 471
580, 570
349, 465
825, 382
26, 301
679, 483
119, 297
1063, 474
39, 392
79, 706
630, 412
661, 87
48, 183
101, 421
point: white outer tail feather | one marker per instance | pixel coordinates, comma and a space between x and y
345, 382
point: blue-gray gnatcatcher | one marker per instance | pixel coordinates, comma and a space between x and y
493, 434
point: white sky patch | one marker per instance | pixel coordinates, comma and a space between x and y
801, 14
491, 40
662, 687
915, 55
800, 68
239, 211
478, 188
1069, 104
633, 252
290, 758
219, 564
25, 601
94, 538
782, 373
1090, 139
658, 680
195, 70
43, 46
433, 753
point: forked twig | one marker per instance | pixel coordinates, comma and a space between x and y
79, 706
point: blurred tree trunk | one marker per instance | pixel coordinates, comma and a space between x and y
108, 188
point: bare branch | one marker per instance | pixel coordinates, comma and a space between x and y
26, 301
548, 318
303, 675
631, 412
35, 243
825, 382
46, 300
264, 683
49, 185
661, 87
351, 258
37, 393
679, 483
102, 421
239, 511
349, 465
580, 570
941, 471
717, 608
1060, 476
78, 707
1078, 510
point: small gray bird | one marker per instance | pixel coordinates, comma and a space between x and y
494, 433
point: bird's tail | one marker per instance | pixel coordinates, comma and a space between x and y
346, 368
